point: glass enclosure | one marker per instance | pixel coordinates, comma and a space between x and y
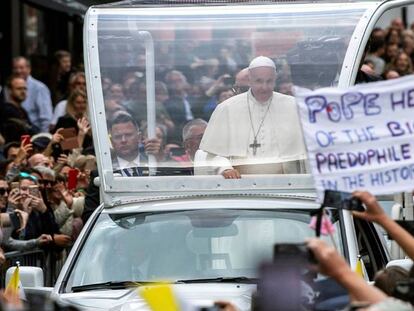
183, 63
185, 245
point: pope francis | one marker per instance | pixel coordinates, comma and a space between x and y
256, 132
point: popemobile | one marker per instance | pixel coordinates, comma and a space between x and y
167, 213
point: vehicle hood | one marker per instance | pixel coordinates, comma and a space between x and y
190, 297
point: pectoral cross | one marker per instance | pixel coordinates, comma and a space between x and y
255, 145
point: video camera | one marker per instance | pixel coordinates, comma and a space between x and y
342, 200
293, 251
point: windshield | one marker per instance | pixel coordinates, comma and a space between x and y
187, 245
183, 64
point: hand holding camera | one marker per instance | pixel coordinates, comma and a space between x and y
62, 159
38, 204
295, 251
57, 137
14, 195
374, 211
25, 150
342, 200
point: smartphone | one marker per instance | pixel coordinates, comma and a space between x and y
70, 139
177, 151
34, 190
56, 151
14, 187
228, 81
279, 286
68, 132
296, 251
342, 200
25, 139
72, 178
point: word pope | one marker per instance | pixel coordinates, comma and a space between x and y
256, 132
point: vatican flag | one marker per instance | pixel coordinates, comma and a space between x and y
159, 297
15, 285
358, 268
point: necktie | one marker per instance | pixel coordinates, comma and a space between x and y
131, 170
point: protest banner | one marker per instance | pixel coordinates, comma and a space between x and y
360, 138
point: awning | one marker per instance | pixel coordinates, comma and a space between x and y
71, 7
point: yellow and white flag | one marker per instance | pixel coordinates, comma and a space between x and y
358, 268
159, 297
15, 285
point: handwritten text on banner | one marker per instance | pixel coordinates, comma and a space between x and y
361, 137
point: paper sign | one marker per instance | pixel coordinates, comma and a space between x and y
360, 138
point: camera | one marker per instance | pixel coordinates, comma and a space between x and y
228, 81
295, 251
342, 200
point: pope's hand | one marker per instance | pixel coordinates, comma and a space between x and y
231, 174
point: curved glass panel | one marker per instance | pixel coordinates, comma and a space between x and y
186, 245
184, 64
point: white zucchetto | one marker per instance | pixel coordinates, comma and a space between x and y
262, 61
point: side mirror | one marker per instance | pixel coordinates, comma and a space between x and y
29, 276
403, 263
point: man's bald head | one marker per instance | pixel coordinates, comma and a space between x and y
39, 159
21, 67
242, 77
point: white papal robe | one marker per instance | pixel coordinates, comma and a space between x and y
230, 131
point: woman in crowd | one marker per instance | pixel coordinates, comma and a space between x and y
401, 64
76, 117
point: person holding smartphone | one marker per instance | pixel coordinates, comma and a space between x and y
14, 222
62, 205
23, 199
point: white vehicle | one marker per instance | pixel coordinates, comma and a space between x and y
204, 234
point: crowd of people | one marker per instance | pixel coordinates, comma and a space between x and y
46, 138
390, 53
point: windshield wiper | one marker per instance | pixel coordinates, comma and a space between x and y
108, 285
238, 279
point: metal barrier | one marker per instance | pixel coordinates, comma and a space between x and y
35, 258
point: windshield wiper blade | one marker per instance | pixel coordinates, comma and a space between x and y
238, 279
108, 285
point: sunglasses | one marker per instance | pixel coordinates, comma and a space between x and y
46, 182
3, 191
